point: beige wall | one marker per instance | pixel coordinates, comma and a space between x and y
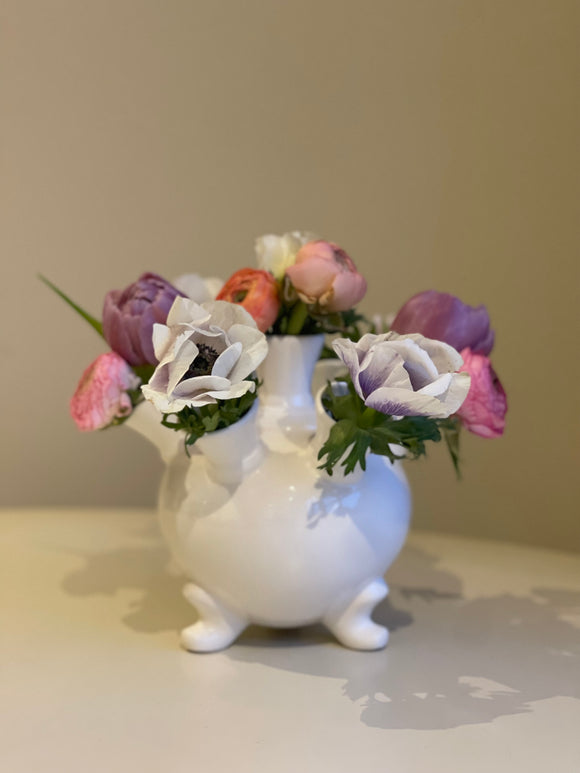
436, 140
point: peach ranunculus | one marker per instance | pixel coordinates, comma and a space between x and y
257, 291
485, 406
324, 276
101, 395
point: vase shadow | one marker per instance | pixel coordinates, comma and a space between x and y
145, 569
451, 661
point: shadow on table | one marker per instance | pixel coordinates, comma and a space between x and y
159, 605
450, 661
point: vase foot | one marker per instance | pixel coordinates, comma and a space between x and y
352, 624
217, 626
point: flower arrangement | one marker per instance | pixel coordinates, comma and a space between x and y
192, 349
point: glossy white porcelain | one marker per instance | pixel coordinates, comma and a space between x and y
265, 537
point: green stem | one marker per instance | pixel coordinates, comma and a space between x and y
367, 418
298, 317
144, 372
84, 314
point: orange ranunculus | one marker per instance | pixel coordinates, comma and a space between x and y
257, 292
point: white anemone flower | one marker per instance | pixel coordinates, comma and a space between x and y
277, 253
206, 353
200, 289
405, 375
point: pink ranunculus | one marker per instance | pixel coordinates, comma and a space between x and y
325, 276
485, 406
101, 395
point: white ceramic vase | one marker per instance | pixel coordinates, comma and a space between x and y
265, 537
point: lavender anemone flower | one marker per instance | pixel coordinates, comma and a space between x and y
129, 316
405, 375
444, 317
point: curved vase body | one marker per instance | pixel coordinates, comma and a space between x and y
265, 537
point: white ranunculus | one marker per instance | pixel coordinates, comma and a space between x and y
276, 253
200, 289
405, 375
206, 353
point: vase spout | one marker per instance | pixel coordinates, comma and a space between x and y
146, 421
288, 414
233, 452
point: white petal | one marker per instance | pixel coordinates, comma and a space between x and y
270, 252
213, 284
438, 386
184, 356
445, 357
161, 338
226, 361
456, 392
192, 387
224, 314
204, 398
161, 401
382, 366
419, 365
159, 380
236, 390
254, 350
401, 402
277, 253
194, 286
347, 352
186, 311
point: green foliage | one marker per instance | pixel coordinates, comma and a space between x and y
136, 397
93, 322
346, 324
451, 428
144, 372
359, 429
298, 318
195, 422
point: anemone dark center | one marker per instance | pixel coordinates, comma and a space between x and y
203, 363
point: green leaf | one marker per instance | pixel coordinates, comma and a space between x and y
144, 372
210, 423
341, 436
93, 322
451, 428
195, 422
358, 452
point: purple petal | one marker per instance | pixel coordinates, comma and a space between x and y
129, 315
376, 368
446, 318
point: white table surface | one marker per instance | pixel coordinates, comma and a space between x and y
482, 672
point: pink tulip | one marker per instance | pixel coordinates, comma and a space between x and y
325, 276
485, 406
101, 395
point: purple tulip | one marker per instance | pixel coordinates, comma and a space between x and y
444, 317
129, 316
